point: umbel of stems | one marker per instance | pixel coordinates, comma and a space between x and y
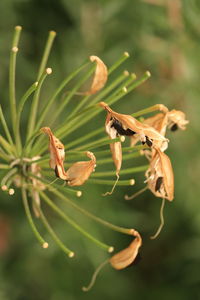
24, 157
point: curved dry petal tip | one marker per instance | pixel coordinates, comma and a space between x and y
46, 130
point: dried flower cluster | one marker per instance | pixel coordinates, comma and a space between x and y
26, 165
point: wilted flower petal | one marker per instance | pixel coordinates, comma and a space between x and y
57, 153
115, 147
160, 176
100, 76
176, 119
80, 171
128, 255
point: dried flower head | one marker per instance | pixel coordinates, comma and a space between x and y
128, 126
174, 119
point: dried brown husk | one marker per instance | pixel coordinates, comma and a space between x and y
116, 148
163, 120
100, 76
80, 171
57, 153
177, 117
144, 131
160, 176
128, 255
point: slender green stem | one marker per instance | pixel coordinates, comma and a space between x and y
100, 95
118, 62
62, 105
72, 223
8, 176
4, 155
125, 157
138, 82
85, 137
146, 111
34, 106
94, 276
56, 93
20, 109
47, 50
111, 182
5, 127
106, 90
4, 166
90, 215
12, 71
53, 234
8, 147
100, 142
122, 172
30, 220
77, 122
124, 149
51, 185
126, 197
74, 90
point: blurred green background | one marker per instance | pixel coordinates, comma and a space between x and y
162, 36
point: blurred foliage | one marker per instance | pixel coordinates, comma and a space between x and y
163, 37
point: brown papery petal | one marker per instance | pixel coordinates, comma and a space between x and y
80, 171
177, 117
57, 153
143, 130
161, 170
115, 148
100, 76
127, 256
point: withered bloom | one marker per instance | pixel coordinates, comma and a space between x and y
57, 154
80, 171
116, 148
128, 255
176, 120
100, 76
160, 176
128, 126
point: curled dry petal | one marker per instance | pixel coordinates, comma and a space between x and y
158, 122
160, 176
127, 256
57, 153
116, 148
176, 119
80, 171
100, 76
128, 125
